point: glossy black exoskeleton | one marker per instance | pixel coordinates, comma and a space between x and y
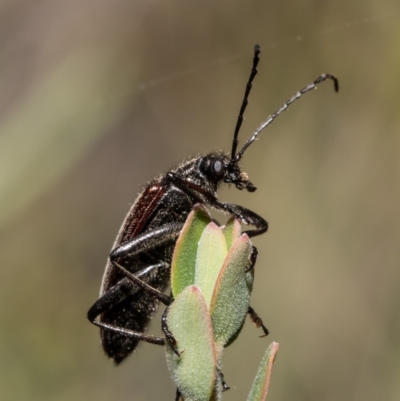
137, 272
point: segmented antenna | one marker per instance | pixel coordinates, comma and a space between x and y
272, 117
253, 73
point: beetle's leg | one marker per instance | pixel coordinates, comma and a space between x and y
252, 313
144, 243
244, 215
257, 321
252, 259
147, 241
168, 335
116, 294
130, 333
164, 298
113, 296
222, 381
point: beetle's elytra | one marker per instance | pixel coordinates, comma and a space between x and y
138, 267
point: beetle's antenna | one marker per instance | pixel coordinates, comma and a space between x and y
272, 117
253, 73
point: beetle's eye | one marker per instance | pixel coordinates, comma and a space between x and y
218, 168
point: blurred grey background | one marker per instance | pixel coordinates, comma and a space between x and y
99, 96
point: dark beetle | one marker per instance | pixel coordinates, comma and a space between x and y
137, 272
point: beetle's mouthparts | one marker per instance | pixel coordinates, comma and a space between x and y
244, 183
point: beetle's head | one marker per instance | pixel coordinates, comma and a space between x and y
218, 168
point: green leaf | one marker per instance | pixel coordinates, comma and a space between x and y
184, 258
194, 372
211, 254
231, 231
231, 297
260, 386
212, 293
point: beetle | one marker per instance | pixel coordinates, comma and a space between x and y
138, 267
